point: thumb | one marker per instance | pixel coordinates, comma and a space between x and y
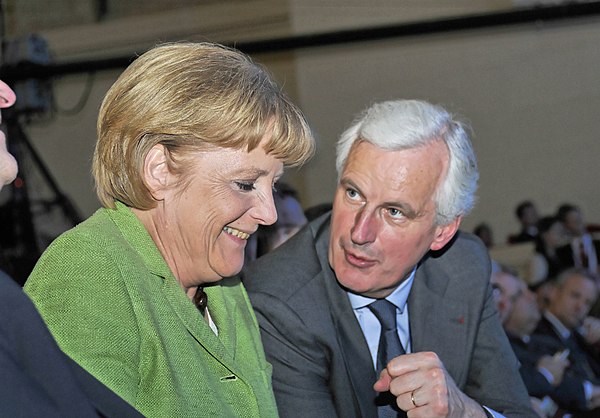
383, 383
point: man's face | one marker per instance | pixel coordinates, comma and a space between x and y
574, 223
524, 313
572, 301
530, 216
383, 215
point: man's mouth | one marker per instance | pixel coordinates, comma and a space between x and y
358, 260
236, 232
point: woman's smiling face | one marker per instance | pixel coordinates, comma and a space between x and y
202, 227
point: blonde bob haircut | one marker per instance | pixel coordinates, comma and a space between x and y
190, 97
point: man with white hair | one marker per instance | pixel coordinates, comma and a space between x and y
381, 307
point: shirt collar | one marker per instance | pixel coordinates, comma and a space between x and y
558, 326
398, 297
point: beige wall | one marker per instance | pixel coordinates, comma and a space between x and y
530, 93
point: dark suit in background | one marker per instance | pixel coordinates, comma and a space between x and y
569, 394
584, 366
36, 378
584, 361
322, 366
569, 254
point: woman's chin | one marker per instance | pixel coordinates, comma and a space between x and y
232, 267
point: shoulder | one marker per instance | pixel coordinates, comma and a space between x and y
16, 310
466, 245
83, 267
465, 255
291, 266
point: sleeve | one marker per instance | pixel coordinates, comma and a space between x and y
300, 366
35, 378
79, 291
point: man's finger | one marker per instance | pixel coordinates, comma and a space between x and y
383, 383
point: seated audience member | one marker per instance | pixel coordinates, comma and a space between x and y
545, 264
527, 216
543, 374
382, 307
36, 378
550, 237
191, 139
565, 323
484, 232
290, 218
581, 250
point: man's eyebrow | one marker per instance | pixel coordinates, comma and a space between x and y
407, 209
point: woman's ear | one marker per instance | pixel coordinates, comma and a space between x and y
157, 175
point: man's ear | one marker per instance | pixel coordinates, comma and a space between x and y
156, 171
443, 234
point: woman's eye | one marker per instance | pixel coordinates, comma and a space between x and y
246, 186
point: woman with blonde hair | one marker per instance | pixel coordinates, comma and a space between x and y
192, 138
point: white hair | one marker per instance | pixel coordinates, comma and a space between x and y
406, 124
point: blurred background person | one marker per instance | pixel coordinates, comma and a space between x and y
543, 374
581, 250
565, 323
290, 218
527, 215
192, 138
545, 264
485, 234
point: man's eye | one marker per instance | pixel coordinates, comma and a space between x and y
395, 213
352, 194
245, 186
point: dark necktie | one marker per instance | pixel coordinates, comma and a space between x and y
201, 300
389, 342
585, 263
389, 347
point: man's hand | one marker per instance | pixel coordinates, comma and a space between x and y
591, 330
556, 365
595, 399
424, 389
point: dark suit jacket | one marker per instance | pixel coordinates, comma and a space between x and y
321, 362
36, 378
569, 395
567, 258
580, 351
579, 354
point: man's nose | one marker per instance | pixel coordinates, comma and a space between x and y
364, 230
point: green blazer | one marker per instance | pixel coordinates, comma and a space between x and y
114, 306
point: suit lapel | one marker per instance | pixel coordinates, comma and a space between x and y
193, 321
351, 340
222, 314
447, 321
139, 239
